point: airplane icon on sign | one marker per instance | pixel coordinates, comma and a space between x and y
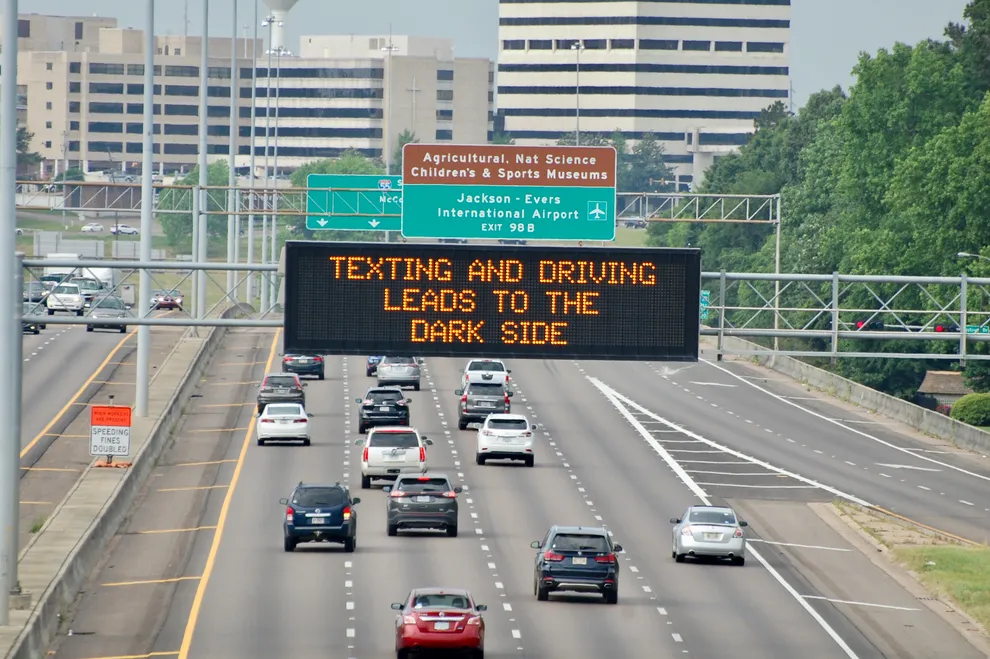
596, 210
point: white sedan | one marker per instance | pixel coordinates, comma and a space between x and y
92, 227
483, 371
123, 230
281, 422
505, 437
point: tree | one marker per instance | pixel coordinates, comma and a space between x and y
405, 137
350, 162
25, 157
502, 138
178, 227
71, 174
972, 42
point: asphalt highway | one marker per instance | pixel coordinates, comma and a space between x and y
593, 467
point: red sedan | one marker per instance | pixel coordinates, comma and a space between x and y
439, 619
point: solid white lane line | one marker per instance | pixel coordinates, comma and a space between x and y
763, 487
794, 544
516, 633
732, 473
876, 606
689, 482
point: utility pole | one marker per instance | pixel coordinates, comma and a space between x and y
577, 47
233, 221
387, 133
251, 173
269, 22
202, 225
273, 293
147, 203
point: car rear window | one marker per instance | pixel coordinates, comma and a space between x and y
67, 289
438, 600
108, 303
415, 485
485, 389
507, 424
280, 381
277, 410
486, 366
394, 440
398, 360
579, 542
712, 517
309, 497
384, 396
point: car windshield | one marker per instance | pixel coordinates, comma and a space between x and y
87, 284
67, 289
399, 360
283, 410
312, 497
33, 286
487, 366
579, 542
423, 484
280, 381
394, 440
485, 389
712, 517
443, 601
384, 396
507, 424
109, 303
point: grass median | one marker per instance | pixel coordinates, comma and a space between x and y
961, 574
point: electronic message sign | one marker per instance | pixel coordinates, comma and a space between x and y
361, 298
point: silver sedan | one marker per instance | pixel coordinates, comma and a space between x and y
712, 531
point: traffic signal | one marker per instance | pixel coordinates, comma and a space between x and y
949, 327
870, 325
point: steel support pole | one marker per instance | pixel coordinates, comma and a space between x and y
387, 137
264, 259
147, 203
254, 117
233, 221
201, 227
265, 289
776, 283
577, 95
273, 293
17, 363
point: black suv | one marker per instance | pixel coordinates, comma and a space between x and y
320, 513
577, 558
382, 406
281, 388
422, 502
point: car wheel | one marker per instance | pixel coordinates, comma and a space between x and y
612, 597
679, 558
261, 408
123, 329
368, 372
261, 442
290, 544
416, 387
349, 545
461, 424
366, 482
320, 376
479, 459
393, 529
452, 531
50, 312
542, 594
362, 429
89, 328
402, 654
306, 442
79, 313
37, 330
530, 460
739, 560
479, 654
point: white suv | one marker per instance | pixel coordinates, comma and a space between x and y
66, 297
390, 451
485, 371
505, 437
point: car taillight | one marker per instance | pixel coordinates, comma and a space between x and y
268, 421
289, 512
506, 400
738, 533
287, 359
347, 513
365, 456
464, 399
487, 433
397, 494
450, 495
474, 620
318, 360
300, 420
607, 558
686, 530
422, 454
400, 403
408, 620
553, 557
367, 402
527, 434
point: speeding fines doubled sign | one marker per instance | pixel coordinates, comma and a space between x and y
110, 430
492, 300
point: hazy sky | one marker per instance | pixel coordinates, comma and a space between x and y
827, 35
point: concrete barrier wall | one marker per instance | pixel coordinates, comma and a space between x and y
927, 421
43, 624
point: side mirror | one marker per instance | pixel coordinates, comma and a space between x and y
458, 392
257, 415
280, 354
481, 607
257, 386
128, 307
309, 414
675, 520
742, 523
617, 549
535, 426
355, 501
284, 502
358, 442
508, 370
510, 394
387, 489
428, 442
409, 401
305, 384
396, 606
458, 489
358, 400
535, 544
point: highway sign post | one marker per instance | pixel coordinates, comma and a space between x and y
110, 432
500, 191
353, 202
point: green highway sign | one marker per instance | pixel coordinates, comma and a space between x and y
706, 300
506, 191
353, 202
978, 329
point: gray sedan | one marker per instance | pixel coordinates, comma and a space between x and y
427, 501
711, 531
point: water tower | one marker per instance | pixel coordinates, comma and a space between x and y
280, 10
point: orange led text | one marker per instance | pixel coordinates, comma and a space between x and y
444, 300
592, 272
450, 331
579, 302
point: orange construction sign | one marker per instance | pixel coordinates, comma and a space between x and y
110, 415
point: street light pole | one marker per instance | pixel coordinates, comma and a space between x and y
273, 293
254, 117
577, 47
233, 221
269, 22
387, 133
201, 224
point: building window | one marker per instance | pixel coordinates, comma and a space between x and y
48, 125
677, 21
73, 125
74, 107
177, 51
182, 71
75, 67
75, 87
138, 69
105, 127
138, 147
48, 105
565, 44
596, 44
48, 144
181, 110
102, 68
658, 44
138, 88
73, 146
541, 44
445, 115
49, 85
182, 90
643, 67
49, 66
623, 44
221, 72
445, 94
23, 28
223, 111
106, 108
106, 147
513, 44
138, 108
182, 129
79, 30
764, 47
491, 97
445, 74
106, 88
445, 135
728, 46
172, 148
698, 45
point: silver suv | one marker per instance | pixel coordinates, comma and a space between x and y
481, 399
399, 371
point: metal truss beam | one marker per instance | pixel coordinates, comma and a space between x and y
701, 208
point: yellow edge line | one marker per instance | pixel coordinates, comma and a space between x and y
149, 581
187, 489
957, 538
72, 401
189, 530
228, 404
216, 429
140, 656
199, 464
211, 558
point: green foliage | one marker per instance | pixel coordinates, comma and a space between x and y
502, 138
177, 227
405, 137
25, 157
71, 174
973, 409
640, 169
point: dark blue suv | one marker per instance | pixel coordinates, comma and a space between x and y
320, 513
579, 559
372, 366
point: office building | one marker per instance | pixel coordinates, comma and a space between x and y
694, 73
